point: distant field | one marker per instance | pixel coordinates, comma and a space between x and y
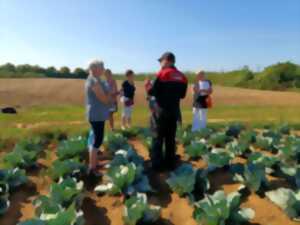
58, 104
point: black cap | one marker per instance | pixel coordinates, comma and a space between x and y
168, 56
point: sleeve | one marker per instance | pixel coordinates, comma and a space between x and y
154, 89
183, 90
90, 83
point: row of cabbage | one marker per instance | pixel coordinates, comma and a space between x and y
14, 164
280, 158
62, 205
126, 176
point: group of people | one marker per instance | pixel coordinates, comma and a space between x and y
164, 94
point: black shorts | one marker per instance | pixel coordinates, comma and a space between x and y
98, 130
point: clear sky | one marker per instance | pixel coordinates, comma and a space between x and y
207, 34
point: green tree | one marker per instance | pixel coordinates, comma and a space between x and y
65, 71
80, 73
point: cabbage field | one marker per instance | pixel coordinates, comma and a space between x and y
230, 175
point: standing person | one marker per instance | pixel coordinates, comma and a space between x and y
98, 100
113, 88
168, 89
127, 92
202, 90
151, 104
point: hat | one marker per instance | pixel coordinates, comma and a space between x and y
168, 56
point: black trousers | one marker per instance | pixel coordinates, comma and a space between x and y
164, 135
98, 130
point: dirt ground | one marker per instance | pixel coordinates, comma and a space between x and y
108, 210
28, 92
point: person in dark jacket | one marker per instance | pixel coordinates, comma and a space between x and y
169, 88
127, 93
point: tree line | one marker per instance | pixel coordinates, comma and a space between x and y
280, 76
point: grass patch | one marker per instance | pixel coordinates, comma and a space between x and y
71, 119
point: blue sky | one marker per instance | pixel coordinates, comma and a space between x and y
207, 34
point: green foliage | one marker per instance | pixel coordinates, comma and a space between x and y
67, 191
287, 200
182, 181
266, 143
280, 76
73, 147
57, 216
217, 158
233, 130
119, 178
196, 150
24, 154
238, 148
66, 168
9, 180
248, 137
253, 176
137, 210
13, 177
219, 139
4, 193
220, 209
259, 158
116, 141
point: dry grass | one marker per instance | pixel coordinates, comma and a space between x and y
47, 92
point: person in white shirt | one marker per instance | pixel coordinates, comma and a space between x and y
202, 89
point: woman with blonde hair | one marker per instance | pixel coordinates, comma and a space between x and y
202, 89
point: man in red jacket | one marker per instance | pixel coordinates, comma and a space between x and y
168, 89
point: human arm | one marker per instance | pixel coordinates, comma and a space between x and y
100, 94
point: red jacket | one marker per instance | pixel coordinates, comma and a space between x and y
169, 87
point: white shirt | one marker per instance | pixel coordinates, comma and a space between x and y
204, 85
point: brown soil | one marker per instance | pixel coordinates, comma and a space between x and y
27, 92
108, 210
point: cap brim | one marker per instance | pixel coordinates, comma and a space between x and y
160, 59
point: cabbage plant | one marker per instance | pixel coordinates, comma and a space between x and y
238, 148
57, 216
291, 172
24, 154
115, 141
234, 130
196, 150
127, 179
219, 209
253, 176
182, 181
247, 137
9, 180
72, 147
217, 158
137, 210
13, 177
66, 168
4, 194
219, 139
288, 200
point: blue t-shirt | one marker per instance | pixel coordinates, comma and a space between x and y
95, 109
